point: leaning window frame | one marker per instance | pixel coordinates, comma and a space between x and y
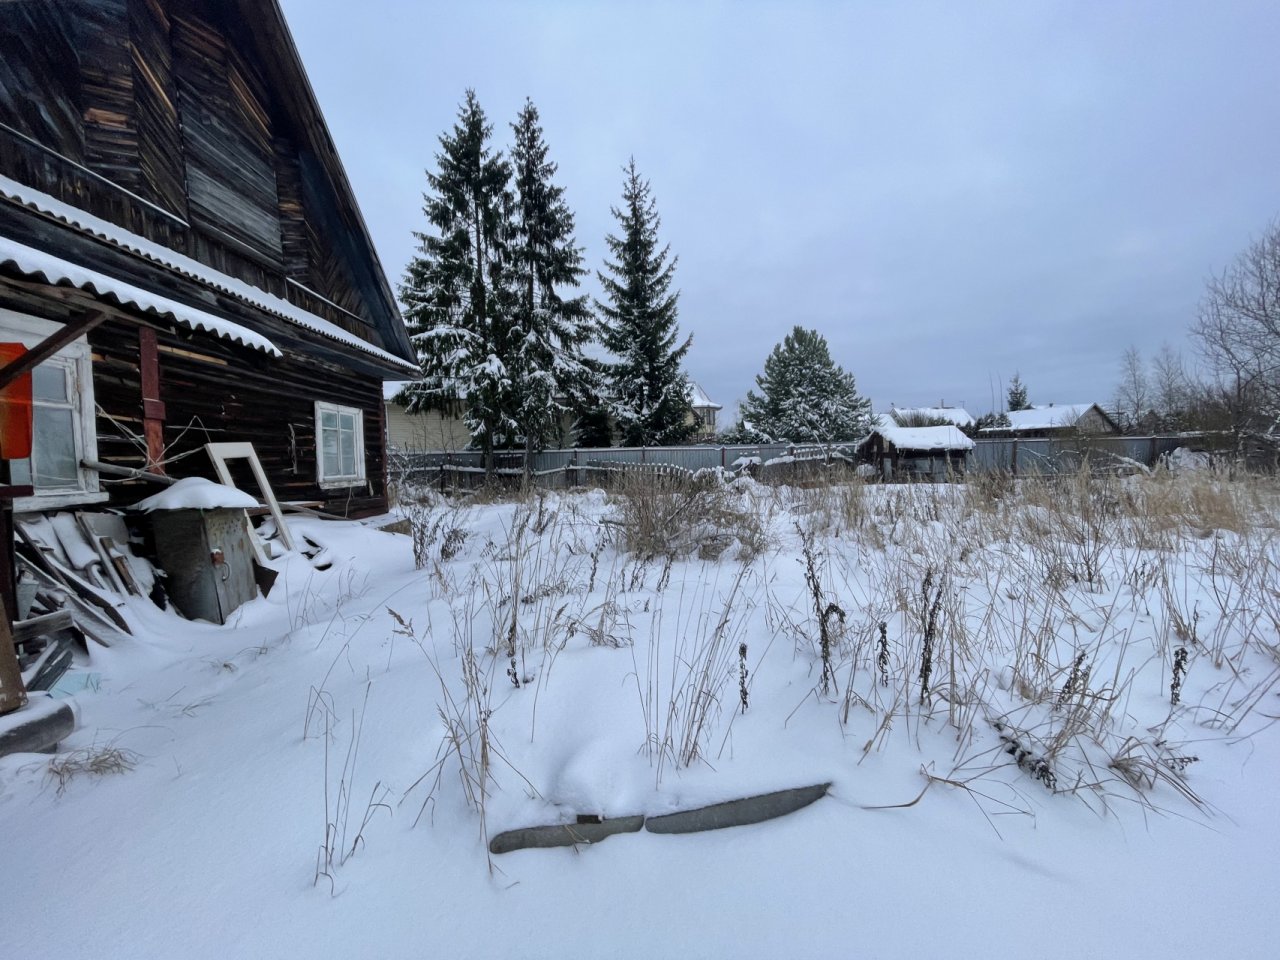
340, 481
78, 356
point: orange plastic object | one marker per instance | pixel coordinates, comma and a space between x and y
15, 408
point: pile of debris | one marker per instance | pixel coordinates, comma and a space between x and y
192, 547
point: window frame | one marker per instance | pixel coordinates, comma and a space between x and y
77, 360
340, 480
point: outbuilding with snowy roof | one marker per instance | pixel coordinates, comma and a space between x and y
932, 453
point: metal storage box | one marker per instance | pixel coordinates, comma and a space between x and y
208, 558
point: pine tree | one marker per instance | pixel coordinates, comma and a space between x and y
1017, 399
549, 374
805, 397
649, 391
457, 293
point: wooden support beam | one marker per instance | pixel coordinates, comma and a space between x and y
111, 470
152, 407
71, 331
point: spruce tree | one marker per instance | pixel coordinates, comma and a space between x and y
1017, 398
648, 389
457, 291
805, 397
549, 374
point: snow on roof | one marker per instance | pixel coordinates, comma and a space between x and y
120, 237
699, 398
197, 493
921, 438
1045, 417
956, 415
56, 270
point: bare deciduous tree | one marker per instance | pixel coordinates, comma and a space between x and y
1238, 333
1132, 401
1171, 388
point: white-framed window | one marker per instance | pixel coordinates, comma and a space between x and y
339, 445
63, 430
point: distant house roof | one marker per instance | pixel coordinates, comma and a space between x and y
698, 398
1051, 416
956, 415
919, 438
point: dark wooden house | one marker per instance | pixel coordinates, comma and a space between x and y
181, 249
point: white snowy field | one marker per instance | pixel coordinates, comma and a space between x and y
319, 777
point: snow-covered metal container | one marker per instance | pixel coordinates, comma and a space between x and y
202, 541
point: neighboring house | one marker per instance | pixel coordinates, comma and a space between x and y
704, 412
923, 452
436, 430
1056, 420
909, 416
178, 234
426, 430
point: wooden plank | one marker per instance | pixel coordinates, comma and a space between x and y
12, 693
32, 627
70, 332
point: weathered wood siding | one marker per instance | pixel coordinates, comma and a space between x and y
231, 180
159, 134
181, 121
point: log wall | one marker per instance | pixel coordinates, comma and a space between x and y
216, 392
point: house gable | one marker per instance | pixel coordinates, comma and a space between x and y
191, 124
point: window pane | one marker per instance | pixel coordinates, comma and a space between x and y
328, 420
349, 452
20, 472
49, 382
54, 451
328, 449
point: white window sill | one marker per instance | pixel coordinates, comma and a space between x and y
57, 501
342, 483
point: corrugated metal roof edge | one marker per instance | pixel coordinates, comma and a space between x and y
100, 285
139, 246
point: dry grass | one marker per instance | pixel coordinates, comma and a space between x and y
675, 515
91, 762
1031, 621
1022, 614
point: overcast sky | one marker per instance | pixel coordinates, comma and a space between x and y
948, 192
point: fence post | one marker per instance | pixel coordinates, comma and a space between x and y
644, 455
723, 462
1013, 466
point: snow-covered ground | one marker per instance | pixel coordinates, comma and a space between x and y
306, 781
